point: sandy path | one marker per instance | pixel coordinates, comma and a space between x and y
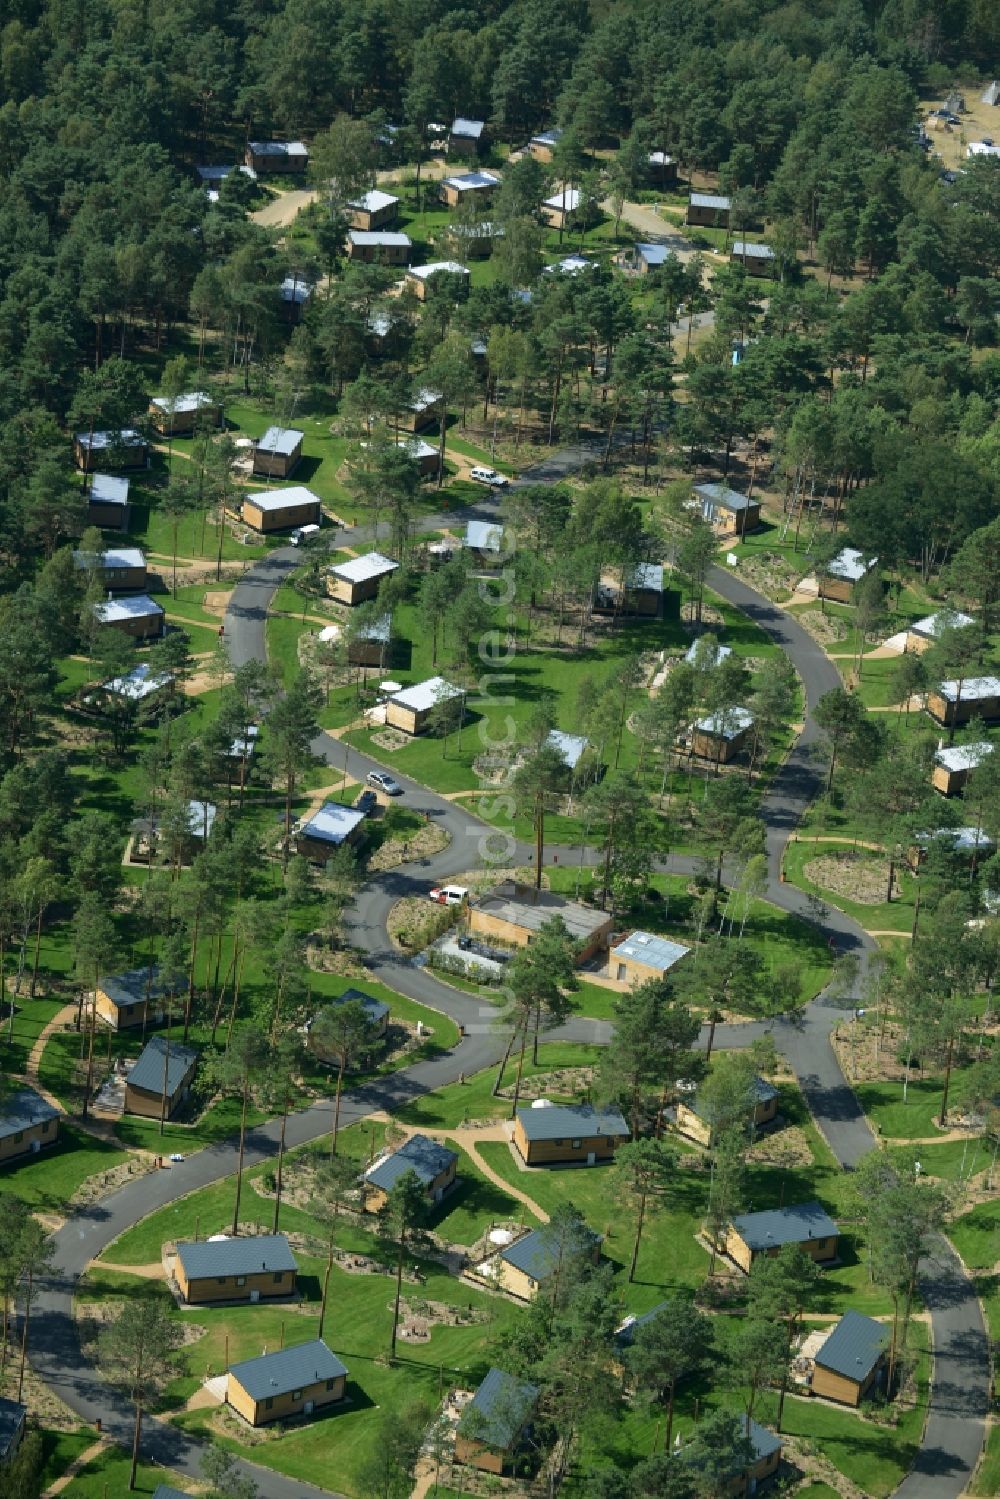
468, 1139
286, 207
77, 1466
60, 1018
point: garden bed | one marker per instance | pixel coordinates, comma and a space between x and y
856, 876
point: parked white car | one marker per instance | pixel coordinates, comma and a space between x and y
489, 476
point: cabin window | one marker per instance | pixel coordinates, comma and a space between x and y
278, 1277
820, 1243
330, 1384
241, 1280
19, 1137
46, 1126
269, 1402
577, 1144
222, 1279
296, 1394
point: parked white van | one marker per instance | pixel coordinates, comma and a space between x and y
303, 534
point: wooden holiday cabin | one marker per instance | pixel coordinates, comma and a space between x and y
276, 455
137, 615
371, 644
435, 1166
411, 709
13, 1424
709, 210
720, 737
568, 1134
126, 449
840, 577
468, 187
756, 259
543, 146
642, 595
493, 1426
422, 412
259, 1268
28, 1122
928, 631
466, 138
122, 569
162, 1070
178, 417
424, 454
107, 503
691, 1119
728, 512
375, 210
357, 580
852, 1360
662, 168
954, 764
299, 1381
765, 1459
523, 1268
513, 914
955, 702
379, 246
642, 956
751, 1235
270, 510
133, 998
484, 541
558, 210
329, 828
273, 158
422, 279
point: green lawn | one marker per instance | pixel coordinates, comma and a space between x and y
987, 1477
107, 1475
876, 917
447, 1108
916, 1118
31, 1016
47, 1181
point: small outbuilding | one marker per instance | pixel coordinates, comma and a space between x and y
27, 1123
381, 246
466, 187
424, 454
765, 1460
558, 210
493, 1426
721, 736
568, 1134
422, 279
728, 512
662, 168
245, 1269
647, 256
177, 417
955, 702
273, 157
484, 540
290, 1382
852, 1360
371, 643
710, 210
126, 448
524, 1267
107, 503
513, 914
642, 594
432, 1163
543, 146
357, 580
955, 763
691, 1120
644, 955
328, 829
756, 259
163, 1069
840, 576
928, 631
276, 455
375, 210
133, 998
410, 709
466, 137
270, 510
138, 616
121, 568
751, 1235
423, 411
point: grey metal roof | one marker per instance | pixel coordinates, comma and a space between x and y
22, 1110
426, 1157
373, 201
332, 823
113, 557
138, 683
375, 1009
569, 746
502, 1406
434, 268
296, 289
646, 947
422, 696
470, 182
933, 625
625, 1335
281, 499
539, 906
567, 202
850, 565
547, 137
962, 840
278, 148
964, 756
105, 489
193, 400
129, 988
570, 1121
710, 200
653, 254
139, 606
483, 536
204, 1258
379, 237
762, 1090
536, 1255
287, 1369
719, 653
280, 440
791, 1225
727, 724
147, 1071
469, 129
762, 1442
362, 569
416, 448
98, 442
712, 495
973, 689
854, 1346
743, 247
646, 577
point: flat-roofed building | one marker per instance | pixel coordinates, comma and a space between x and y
693, 1121
370, 644
411, 709
955, 702
253, 1269
424, 454
523, 1268
568, 1134
374, 210
643, 955
177, 416
27, 1123
954, 764
852, 1360
485, 540
569, 747
135, 997
270, 157
560, 208
423, 411
480, 186
751, 1235
710, 210
928, 631
721, 736
107, 503
277, 453
269, 510
728, 512
163, 1070
329, 828
466, 137
357, 580
126, 448
422, 279
290, 1382
433, 1164
492, 1426
543, 145
756, 259
514, 914
839, 578
642, 594
137, 615
381, 246
121, 568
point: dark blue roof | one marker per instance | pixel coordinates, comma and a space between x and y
537, 1254
562, 1121
792, 1225
375, 1009
164, 1491
153, 1060
762, 1090
129, 988
854, 1347
22, 1110
426, 1157
762, 1441
204, 1258
502, 1406
12, 1418
287, 1369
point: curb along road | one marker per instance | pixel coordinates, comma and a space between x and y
959, 1396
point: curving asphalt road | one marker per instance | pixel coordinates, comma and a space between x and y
956, 1423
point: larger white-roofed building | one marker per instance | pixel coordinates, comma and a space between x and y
357, 580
